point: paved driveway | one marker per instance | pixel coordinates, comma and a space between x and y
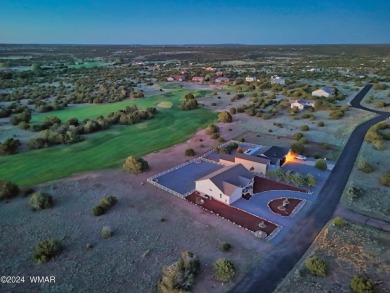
258, 206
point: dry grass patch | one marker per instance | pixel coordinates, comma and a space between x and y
348, 251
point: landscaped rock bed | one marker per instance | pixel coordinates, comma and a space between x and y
284, 206
235, 215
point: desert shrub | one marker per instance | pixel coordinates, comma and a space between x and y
108, 201
190, 102
297, 147
221, 139
225, 117
41, 201
297, 135
316, 266
222, 150
46, 249
385, 179
354, 192
321, 124
225, 246
364, 166
104, 204
336, 114
106, 232
180, 276
232, 110
9, 146
339, 222
135, 165
8, 189
380, 104
361, 284
321, 165
224, 270
189, 152
310, 180
304, 128
98, 211
211, 128
215, 135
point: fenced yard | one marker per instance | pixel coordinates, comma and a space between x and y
181, 179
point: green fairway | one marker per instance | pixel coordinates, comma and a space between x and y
82, 112
107, 148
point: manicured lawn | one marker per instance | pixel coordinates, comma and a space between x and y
82, 112
105, 149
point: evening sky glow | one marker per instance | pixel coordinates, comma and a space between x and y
194, 22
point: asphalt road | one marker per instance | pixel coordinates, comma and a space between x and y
271, 270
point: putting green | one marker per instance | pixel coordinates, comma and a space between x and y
165, 105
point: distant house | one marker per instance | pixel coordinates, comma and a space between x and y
219, 73
301, 104
226, 185
251, 163
324, 92
176, 78
197, 79
250, 78
277, 80
208, 68
222, 80
276, 155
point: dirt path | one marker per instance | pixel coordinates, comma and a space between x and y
361, 219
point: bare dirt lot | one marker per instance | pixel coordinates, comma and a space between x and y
142, 242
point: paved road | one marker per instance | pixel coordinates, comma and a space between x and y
270, 271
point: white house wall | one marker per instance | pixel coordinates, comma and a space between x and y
257, 167
208, 187
236, 195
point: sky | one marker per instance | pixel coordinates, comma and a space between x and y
153, 22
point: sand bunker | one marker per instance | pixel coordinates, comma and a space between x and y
164, 105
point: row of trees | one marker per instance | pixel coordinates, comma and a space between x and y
54, 132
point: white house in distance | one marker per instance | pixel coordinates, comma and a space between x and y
324, 92
251, 163
277, 79
250, 78
222, 80
301, 104
227, 184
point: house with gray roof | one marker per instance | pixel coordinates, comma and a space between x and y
227, 184
251, 163
277, 155
300, 104
324, 92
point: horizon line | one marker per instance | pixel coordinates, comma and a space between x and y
194, 44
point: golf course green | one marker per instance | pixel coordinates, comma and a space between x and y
107, 148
